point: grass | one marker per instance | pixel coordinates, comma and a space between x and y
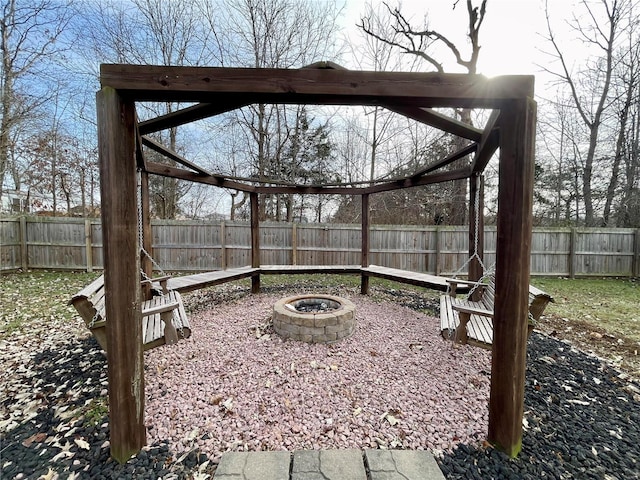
608, 304
39, 296
96, 411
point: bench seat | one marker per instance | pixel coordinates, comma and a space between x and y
469, 321
164, 319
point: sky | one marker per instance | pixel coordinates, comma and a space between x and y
511, 37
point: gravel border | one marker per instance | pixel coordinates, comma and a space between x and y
582, 416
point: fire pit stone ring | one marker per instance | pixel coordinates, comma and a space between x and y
314, 318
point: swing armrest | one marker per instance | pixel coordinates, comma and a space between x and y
472, 310
454, 282
166, 307
161, 280
157, 279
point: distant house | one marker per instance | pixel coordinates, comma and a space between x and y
19, 201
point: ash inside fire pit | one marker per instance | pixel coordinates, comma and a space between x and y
315, 305
314, 318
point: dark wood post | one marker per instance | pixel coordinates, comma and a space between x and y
255, 242
118, 187
513, 262
476, 227
364, 279
147, 234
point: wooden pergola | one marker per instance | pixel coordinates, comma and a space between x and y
511, 128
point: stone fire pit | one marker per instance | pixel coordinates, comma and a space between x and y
314, 318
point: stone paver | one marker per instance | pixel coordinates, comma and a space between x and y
402, 465
254, 466
328, 465
345, 464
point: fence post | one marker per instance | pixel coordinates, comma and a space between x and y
572, 253
635, 268
438, 267
223, 247
294, 243
24, 259
88, 241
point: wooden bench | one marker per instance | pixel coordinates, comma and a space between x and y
164, 319
472, 321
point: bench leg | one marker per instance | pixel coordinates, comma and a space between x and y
170, 333
461, 332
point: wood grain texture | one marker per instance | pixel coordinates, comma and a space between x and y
116, 141
312, 86
515, 199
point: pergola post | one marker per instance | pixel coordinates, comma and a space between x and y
476, 227
515, 199
118, 187
255, 242
364, 254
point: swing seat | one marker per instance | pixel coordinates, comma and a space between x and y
470, 321
164, 319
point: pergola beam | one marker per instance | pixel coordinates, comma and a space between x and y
216, 180
188, 115
313, 86
463, 152
438, 177
489, 143
438, 120
158, 147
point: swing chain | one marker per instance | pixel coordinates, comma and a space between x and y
476, 241
140, 231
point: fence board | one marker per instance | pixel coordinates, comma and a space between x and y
10, 245
194, 246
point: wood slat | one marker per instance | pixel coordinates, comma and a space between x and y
309, 269
414, 278
188, 283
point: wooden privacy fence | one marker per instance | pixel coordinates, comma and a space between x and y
192, 246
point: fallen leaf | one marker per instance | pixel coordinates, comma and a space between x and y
82, 443
50, 475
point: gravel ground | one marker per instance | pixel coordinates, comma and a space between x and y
236, 385
395, 383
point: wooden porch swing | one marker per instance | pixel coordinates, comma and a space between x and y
468, 318
164, 318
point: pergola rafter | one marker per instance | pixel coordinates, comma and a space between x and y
511, 128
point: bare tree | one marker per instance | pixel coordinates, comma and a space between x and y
599, 30
30, 34
420, 41
270, 34
151, 32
